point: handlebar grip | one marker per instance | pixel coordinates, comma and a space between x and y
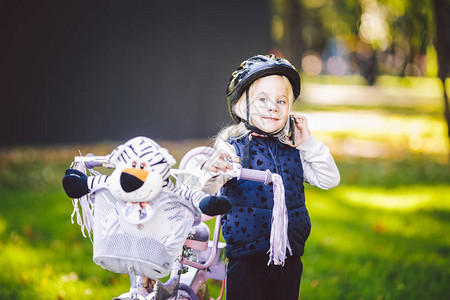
256, 175
92, 164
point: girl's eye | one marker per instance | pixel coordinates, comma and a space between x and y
143, 165
262, 99
134, 164
281, 101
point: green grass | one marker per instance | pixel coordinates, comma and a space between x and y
378, 243
382, 234
43, 254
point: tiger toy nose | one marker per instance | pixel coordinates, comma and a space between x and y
131, 179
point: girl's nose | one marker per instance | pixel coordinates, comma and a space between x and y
272, 106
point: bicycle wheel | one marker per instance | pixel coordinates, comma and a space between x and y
129, 296
185, 292
196, 155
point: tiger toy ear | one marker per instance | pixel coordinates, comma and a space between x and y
164, 152
168, 157
112, 160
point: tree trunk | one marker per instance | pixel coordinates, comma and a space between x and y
293, 34
442, 17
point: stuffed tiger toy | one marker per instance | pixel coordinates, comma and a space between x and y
142, 171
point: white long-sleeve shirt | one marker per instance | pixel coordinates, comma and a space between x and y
319, 168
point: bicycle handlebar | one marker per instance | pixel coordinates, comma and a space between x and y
240, 173
250, 174
256, 175
90, 160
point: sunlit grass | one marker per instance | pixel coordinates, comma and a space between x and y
380, 134
362, 248
421, 86
407, 198
394, 85
330, 79
388, 130
43, 254
53, 273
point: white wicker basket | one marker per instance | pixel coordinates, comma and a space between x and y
148, 249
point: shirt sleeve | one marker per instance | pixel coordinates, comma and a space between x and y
319, 168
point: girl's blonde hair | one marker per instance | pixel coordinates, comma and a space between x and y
239, 130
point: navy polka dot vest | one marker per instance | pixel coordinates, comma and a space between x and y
246, 228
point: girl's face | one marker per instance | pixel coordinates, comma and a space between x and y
269, 103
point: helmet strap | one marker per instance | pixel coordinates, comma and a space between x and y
247, 120
248, 105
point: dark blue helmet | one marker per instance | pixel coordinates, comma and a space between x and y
256, 67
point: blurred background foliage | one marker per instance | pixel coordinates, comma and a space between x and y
371, 40
358, 37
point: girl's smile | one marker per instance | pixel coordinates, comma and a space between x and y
270, 118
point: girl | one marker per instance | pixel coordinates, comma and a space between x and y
267, 135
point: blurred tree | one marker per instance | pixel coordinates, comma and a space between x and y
287, 29
411, 33
442, 17
305, 27
394, 37
382, 36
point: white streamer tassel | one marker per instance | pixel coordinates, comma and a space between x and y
85, 218
279, 240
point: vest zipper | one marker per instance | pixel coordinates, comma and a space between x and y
275, 157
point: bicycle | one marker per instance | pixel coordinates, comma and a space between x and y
131, 246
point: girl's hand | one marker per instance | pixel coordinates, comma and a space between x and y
218, 162
301, 130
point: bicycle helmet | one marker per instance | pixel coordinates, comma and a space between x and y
254, 68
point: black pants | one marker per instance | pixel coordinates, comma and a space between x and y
251, 278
